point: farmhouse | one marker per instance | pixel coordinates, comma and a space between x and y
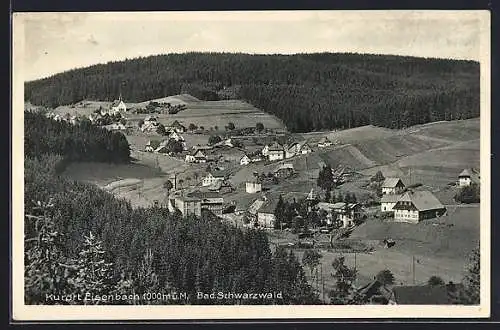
415, 206
344, 213
196, 156
245, 160
213, 177
253, 186
392, 186
388, 201
274, 152
210, 201
176, 127
324, 142
186, 205
150, 124
303, 148
265, 215
464, 178
221, 186
284, 170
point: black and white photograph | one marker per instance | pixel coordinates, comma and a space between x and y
205, 165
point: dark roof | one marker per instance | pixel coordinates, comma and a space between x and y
465, 173
268, 207
421, 295
423, 200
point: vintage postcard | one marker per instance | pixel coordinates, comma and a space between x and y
251, 165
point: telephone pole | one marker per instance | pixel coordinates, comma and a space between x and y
413, 268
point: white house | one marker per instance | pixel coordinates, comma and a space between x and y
214, 176
303, 148
245, 160
464, 178
415, 206
388, 201
196, 156
276, 152
253, 186
265, 214
392, 186
346, 213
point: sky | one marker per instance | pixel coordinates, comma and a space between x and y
56, 42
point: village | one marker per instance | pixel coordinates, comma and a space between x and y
264, 178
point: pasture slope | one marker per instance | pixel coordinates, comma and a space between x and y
201, 113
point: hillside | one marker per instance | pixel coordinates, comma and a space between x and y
308, 92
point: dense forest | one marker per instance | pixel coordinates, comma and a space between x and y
307, 91
83, 141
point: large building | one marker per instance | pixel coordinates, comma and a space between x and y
274, 152
284, 170
343, 214
415, 206
210, 201
186, 205
392, 186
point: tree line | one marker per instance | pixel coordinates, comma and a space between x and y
307, 91
80, 142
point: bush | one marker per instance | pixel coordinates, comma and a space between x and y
469, 194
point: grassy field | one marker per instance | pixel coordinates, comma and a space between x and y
435, 247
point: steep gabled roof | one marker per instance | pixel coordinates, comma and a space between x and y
464, 174
421, 295
276, 147
256, 205
391, 182
423, 200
